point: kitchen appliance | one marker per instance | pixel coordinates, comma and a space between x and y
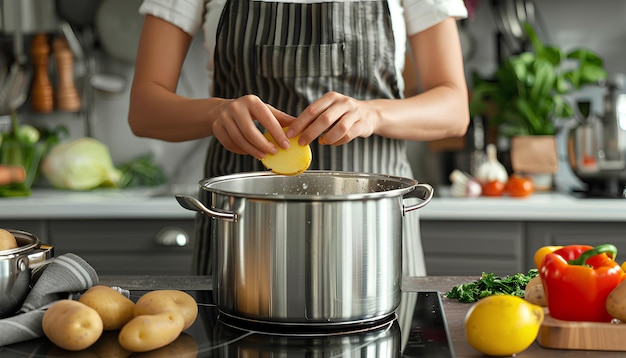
418, 328
597, 146
318, 248
16, 267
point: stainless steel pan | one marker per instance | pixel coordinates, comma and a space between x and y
15, 270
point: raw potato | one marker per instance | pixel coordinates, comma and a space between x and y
72, 325
7, 240
616, 302
113, 307
160, 301
147, 332
292, 161
534, 292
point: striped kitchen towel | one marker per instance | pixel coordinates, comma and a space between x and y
62, 277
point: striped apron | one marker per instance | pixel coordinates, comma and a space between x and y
290, 54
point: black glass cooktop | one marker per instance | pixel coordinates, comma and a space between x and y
417, 329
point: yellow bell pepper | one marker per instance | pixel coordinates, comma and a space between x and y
542, 252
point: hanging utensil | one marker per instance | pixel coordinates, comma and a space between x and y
14, 92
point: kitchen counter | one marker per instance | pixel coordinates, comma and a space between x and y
455, 311
151, 203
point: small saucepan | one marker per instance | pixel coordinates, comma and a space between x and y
15, 270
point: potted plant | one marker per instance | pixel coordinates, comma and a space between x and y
527, 94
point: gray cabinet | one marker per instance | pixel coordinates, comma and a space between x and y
507, 247
472, 247
112, 247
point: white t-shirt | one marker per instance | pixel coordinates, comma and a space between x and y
408, 17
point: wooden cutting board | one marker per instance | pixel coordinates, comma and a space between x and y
555, 333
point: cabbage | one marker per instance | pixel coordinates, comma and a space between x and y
81, 164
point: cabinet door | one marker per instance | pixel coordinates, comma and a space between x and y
473, 247
38, 228
569, 233
127, 247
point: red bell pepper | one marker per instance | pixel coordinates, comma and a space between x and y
577, 280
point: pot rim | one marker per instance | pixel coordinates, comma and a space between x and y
20, 235
404, 185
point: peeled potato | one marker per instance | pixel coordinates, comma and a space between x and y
7, 240
113, 307
292, 161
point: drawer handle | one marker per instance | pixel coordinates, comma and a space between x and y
172, 237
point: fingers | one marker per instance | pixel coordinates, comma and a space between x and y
334, 118
235, 127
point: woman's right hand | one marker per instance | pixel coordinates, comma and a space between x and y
236, 129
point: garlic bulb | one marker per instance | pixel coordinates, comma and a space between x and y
464, 185
491, 169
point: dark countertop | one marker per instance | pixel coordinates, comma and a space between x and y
455, 311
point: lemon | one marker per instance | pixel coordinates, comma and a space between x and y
294, 160
502, 325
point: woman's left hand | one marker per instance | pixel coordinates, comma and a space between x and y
336, 119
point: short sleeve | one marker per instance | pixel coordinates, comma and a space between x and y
422, 14
185, 14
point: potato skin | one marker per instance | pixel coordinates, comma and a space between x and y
7, 240
113, 307
616, 302
147, 332
534, 292
160, 301
72, 325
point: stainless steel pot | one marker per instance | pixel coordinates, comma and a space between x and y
596, 147
15, 270
316, 248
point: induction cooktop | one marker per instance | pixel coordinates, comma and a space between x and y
417, 329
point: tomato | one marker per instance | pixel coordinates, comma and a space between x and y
493, 188
520, 186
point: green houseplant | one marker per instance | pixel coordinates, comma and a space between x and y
527, 92
525, 97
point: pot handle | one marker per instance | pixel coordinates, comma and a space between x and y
424, 192
190, 203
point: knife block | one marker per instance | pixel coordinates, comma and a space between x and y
41, 92
67, 96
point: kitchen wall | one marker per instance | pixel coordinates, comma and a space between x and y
599, 25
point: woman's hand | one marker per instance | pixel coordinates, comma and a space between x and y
235, 126
336, 119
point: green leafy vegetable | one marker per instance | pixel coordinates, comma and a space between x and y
490, 284
141, 171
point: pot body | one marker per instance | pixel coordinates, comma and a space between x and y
15, 270
317, 248
596, 147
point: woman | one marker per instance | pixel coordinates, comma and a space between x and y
330, 71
